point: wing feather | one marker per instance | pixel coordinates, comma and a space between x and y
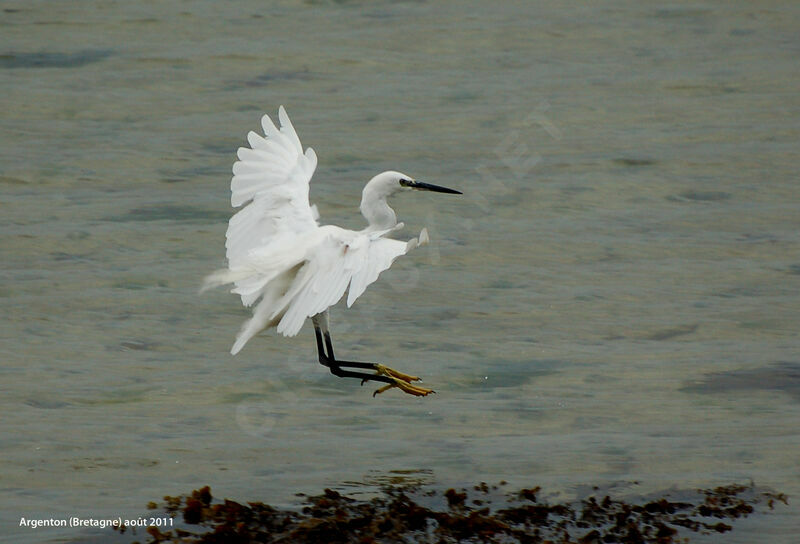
288, 129
379, 257
340, 260
271, 180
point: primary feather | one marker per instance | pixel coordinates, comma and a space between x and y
280, 260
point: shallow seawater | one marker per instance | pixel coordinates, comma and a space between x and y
614, 299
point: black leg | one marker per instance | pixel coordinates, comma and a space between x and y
320, 348
351, 364
336, 366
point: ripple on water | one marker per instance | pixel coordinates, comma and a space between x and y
53, 59
782, 376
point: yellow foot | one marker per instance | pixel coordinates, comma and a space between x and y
392, 373
401, 381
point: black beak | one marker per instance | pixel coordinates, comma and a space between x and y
429, 187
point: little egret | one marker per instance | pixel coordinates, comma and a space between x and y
290, 267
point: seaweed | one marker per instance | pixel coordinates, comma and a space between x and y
396, 516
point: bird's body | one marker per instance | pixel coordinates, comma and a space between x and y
287, 265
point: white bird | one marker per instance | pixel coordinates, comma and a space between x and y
288, 266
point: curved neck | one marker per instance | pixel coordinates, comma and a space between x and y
373, 202
377, 212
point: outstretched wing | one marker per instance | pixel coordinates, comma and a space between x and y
271, 180
339, 259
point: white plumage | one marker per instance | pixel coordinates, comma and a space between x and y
280, 260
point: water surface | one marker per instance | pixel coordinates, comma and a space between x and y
613, 300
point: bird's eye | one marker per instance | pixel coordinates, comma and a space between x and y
405, 182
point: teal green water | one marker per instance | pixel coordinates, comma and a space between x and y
614, 298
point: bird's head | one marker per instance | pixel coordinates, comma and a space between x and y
390, 182
373, 200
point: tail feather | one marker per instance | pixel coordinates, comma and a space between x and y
265, 313
223, 277
252, 326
